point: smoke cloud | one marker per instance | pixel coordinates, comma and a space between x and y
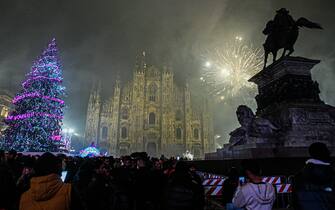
100, 39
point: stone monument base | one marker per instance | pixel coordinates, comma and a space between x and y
290, 115
260, 151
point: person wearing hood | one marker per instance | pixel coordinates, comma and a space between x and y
255, 194
47, 190
314, 185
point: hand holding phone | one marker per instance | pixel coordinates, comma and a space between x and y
64, 173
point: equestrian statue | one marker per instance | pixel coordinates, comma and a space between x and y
282, 32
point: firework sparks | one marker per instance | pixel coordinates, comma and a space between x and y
227, 68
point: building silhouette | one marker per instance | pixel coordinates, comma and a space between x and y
150, 113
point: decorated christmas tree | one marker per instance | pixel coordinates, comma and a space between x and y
35, 123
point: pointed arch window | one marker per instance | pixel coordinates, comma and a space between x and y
124, 114
152, 118
104, 132
152, 92
124, 132
178, 133
196, 133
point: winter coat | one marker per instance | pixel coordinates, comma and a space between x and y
46, 193
253, 196
8, 194
314, 187
229, 187
183, 193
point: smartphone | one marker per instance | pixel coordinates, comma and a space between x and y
242, 180
64, 173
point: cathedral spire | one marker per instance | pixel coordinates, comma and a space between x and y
141, 65
95, 92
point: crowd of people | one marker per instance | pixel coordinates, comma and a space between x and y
126, 183
313, 188
138, 182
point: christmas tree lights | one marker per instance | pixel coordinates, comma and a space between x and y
35, 124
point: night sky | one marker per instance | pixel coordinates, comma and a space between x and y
98, 39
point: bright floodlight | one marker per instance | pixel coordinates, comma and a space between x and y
65, 130
71, 130
208, 64
238, 38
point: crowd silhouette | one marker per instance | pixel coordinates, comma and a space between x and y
126, 183
138, 182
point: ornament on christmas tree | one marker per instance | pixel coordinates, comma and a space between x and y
35, 123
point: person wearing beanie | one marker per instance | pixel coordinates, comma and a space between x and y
313, 186
47, 191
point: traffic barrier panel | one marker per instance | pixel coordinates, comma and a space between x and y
213, 182
213, 190
205, 175
284, 188
272, 180
213, 187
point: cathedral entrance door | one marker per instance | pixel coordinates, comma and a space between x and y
152, 149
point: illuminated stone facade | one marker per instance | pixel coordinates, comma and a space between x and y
152, 114
5, 107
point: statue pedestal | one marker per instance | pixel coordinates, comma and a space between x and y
289, 98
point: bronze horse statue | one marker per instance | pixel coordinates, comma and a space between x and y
282, 32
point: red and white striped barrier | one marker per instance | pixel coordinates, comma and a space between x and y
272, 180
284, 188
212, 176
213, 190
212, 182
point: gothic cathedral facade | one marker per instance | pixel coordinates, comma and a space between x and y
152, 114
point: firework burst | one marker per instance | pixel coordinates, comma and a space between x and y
227, 68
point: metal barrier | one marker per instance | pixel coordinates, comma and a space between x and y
213, 185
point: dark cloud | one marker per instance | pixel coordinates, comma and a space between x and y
100, 38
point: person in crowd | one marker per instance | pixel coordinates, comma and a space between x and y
123, 184
2, 157
47, 191
23, 182
8, 193
229, 188
182, 192
255, 194
13, 164
314, 185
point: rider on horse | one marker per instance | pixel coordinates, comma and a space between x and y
282, 32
